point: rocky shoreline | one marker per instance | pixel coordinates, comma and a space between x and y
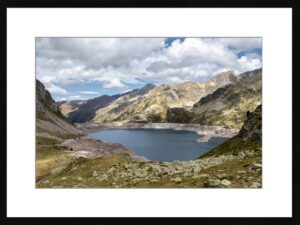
88, 147
91, 148
207, 131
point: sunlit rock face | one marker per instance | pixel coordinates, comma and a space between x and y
152, 104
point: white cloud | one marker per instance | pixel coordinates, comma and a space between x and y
114, 83
97, 52
54, 89
115, 61
70, 98
47, 79
241, 44
89, 92
248, 63
74, 97
61, 99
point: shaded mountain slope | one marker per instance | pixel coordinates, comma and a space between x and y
50, 122
86, 111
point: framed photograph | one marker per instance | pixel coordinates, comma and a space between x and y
144, 114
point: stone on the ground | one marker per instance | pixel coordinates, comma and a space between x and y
225, 182
154, 181
257, 165
95, 173
176, 179
255, 185
222, 175
213, 183
201, 176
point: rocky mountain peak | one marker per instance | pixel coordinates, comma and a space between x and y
223, 79
141, 91
149, 86
224, 76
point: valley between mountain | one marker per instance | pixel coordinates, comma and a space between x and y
228, 105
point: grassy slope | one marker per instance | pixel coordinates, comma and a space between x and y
80, 173
234, 146
93, 173
50, 157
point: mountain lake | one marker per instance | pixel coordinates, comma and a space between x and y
159, 144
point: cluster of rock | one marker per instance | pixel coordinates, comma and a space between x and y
91, 148
181, 173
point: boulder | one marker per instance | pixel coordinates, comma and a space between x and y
213, 183
176, 179
255, 185
225, 183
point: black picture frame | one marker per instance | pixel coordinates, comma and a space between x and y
141, 4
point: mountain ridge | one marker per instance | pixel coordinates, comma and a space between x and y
187, 102
153, 107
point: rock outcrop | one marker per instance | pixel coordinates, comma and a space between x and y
44, 100
249, 137
252, 128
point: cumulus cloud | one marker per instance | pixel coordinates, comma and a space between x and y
54, 89
249, 63
97, 52
114, 83
117, 63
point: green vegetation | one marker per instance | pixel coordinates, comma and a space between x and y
122, 171
79, 172
49, 159
234, 146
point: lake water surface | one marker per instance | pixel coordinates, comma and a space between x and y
159, 144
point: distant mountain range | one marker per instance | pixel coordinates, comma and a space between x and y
223, 100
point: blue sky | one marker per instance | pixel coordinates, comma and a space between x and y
84, 68
169, 41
